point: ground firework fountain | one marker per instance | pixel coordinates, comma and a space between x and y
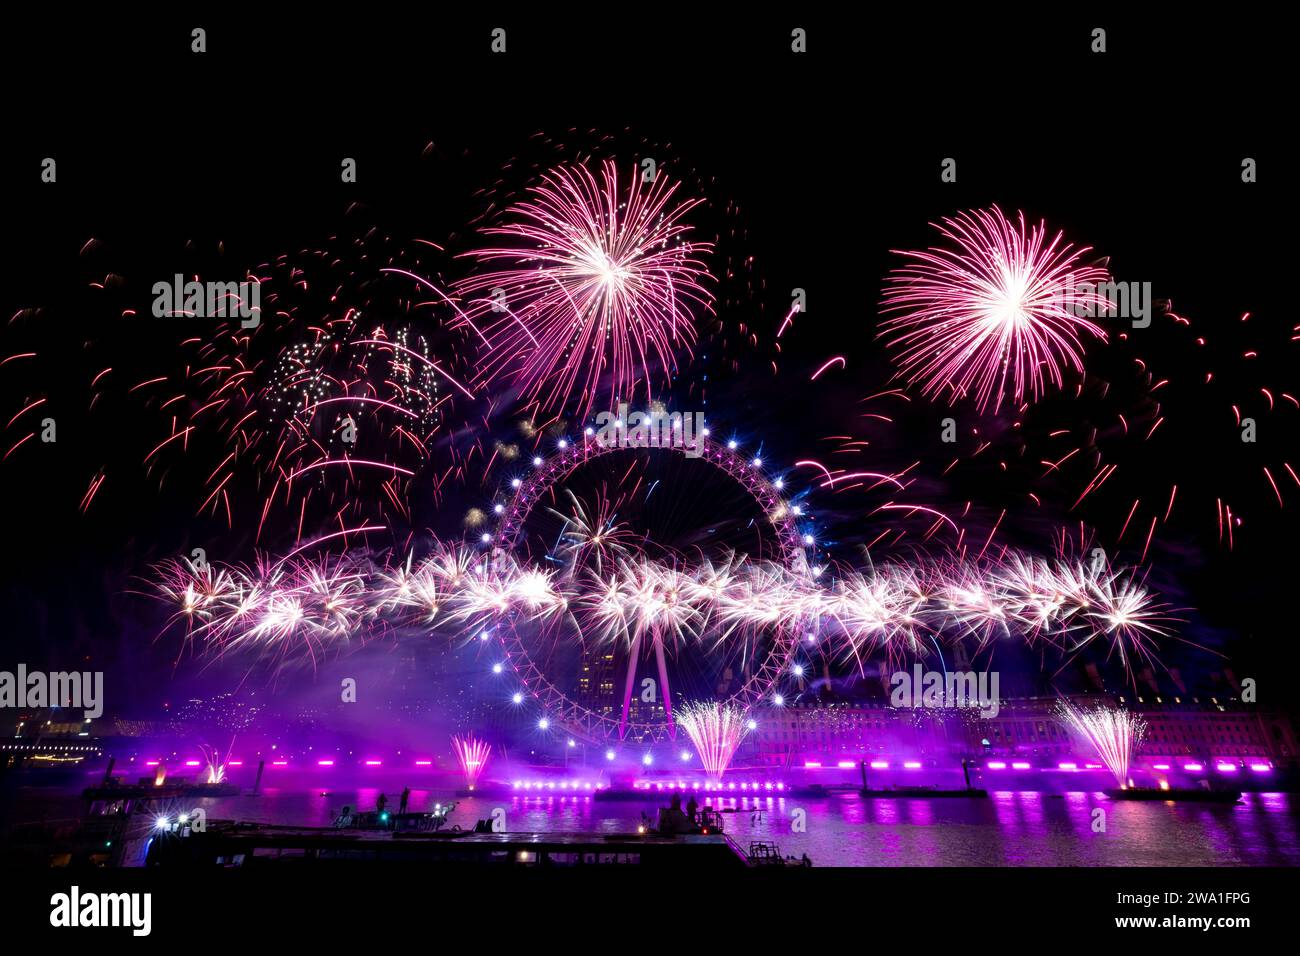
1114, 733
215, 763
716, 730
472, 755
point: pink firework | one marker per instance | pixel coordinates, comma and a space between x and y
716, 730
303, 609
998, 312
472, 755
591, 299
1114, 733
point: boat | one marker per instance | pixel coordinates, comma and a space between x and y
115, 790
1181, 794
385, 821
673, 820
262, 847
769, 854
116, 825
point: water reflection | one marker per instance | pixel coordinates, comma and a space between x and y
1009, 828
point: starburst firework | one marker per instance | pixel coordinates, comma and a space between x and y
998, 313
590, 298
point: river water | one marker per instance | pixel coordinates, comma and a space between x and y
1011, 828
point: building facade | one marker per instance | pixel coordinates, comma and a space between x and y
1031, 729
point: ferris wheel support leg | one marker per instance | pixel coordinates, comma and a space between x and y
634, 652
663, 687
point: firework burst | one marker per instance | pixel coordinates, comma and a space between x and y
592, 533
997, 313
591, 298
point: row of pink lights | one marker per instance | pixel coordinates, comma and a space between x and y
285, 763
550, 785
1221, 766
709, 786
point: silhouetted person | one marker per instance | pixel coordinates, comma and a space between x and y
691, 807
381, 802
406, 798
672, 820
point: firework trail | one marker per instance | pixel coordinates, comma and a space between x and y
996, 314
716, 730
590, 301
1113, 732
325, 412
1118, 450
472, 755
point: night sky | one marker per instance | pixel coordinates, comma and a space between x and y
813, 169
